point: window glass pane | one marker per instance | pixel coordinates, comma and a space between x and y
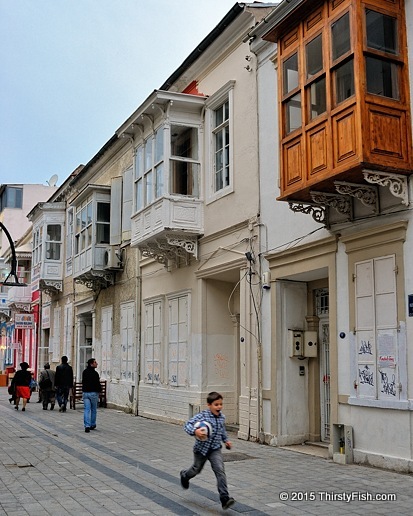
185, 180
52, 251
149, 188
103, 212
54, 232
102, 233
89, 213
340, 33
317, 103
344, 81
159, 181
219, 116
159, 145
184, 141
148, 154
83, 216
290, 73
381, 32
88, 236
293, 113
138, 162
139, 194
382, 77
314, 54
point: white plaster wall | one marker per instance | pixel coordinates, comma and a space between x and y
344, 351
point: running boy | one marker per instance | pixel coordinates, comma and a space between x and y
210, 449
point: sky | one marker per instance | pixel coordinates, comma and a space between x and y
72, 71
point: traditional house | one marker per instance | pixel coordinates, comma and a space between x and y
338, 319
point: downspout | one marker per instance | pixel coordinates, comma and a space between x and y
138, 311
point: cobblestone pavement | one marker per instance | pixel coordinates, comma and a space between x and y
130, 465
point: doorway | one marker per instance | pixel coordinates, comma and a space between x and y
322, 310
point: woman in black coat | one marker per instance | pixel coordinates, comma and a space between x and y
21, 385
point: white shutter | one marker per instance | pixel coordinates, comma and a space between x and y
56, 335
178, 340
107, 316
376, 328
386, 327
68, 330
153, 313
127, 330
127, 201
115, 211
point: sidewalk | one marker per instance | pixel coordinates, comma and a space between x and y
130, 465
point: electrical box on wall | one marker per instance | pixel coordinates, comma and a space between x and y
295, 343
310, 344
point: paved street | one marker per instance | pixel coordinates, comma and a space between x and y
130, 465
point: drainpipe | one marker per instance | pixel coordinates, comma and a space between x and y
138, 311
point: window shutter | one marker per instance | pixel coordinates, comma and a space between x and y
106, 341
56, 335
127, 201
376, 329
67, 344
116, 211
127, 330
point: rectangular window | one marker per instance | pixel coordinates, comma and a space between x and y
293, 113
381, 32
317, 101
107, 318
184, 161
11, 197
153, 332
382, 77
340, 36
139, 179
382, 74
53, 241
314, 55
127, 337
290, 74
222, 146
178, 340
103, 223
344, 81
69, 239
376, 329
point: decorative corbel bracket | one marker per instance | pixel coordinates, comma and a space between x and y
367, 195
341, 203
319, 213
396, 183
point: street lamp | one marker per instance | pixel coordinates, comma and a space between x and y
13, 270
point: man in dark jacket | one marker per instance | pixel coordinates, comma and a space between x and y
63, 382
91, 388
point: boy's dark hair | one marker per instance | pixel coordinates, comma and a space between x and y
90, 361
214, 396
64, 359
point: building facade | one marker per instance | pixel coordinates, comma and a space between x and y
337, 321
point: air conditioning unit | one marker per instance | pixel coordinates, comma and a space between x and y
112, 258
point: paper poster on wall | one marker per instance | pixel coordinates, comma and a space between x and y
387, 348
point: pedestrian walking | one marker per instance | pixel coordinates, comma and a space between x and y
208, 427
91, 388
21, 385
46, 383
63, 382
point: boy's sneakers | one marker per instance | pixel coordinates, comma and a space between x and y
227, 502
184, 480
